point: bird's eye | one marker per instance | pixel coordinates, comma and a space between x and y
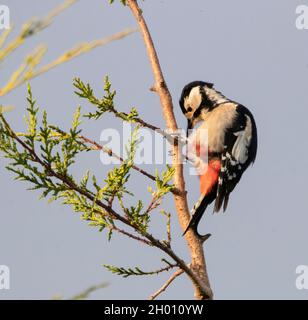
189, 109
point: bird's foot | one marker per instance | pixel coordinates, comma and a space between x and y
179, 137
202, 238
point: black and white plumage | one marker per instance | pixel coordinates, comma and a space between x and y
231, 141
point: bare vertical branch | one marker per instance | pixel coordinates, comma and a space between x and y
198, 265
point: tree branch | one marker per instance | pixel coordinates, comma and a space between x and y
112, 154
198, 266
129, 235
105, 207
166, 285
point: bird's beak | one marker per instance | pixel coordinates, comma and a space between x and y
189, 126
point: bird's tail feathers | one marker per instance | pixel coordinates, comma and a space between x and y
226, 202
222, 199
197, 212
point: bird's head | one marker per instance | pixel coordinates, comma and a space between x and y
194, 98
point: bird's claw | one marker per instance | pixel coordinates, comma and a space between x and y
204, 237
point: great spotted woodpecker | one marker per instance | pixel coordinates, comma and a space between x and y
228, 133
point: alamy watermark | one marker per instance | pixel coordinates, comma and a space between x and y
301, 21
4, 17
155, 148
4, 277
301, 281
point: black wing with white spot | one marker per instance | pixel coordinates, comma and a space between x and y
240, 149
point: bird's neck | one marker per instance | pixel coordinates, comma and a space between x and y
214, 97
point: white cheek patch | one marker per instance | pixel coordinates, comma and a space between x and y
186, 103
194, 99
242, 143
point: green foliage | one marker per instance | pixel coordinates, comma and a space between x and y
86, 293
139, 219
125, 273
103, 105
118, 177
56, 154
168, 225
122, 1
162, 187
115, 186
162, 184
31, 120
44, 154
48, 168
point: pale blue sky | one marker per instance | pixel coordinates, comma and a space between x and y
255, 55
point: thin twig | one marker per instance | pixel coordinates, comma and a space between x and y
56, 11
83, 48
112, 154
166, 285
174, 138
85, 294
130, 235
168, 216
113, 227
67, 56
33, 27
96, 146
154, 203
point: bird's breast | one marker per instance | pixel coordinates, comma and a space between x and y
214, 126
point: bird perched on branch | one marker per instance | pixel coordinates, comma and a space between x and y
221, 148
